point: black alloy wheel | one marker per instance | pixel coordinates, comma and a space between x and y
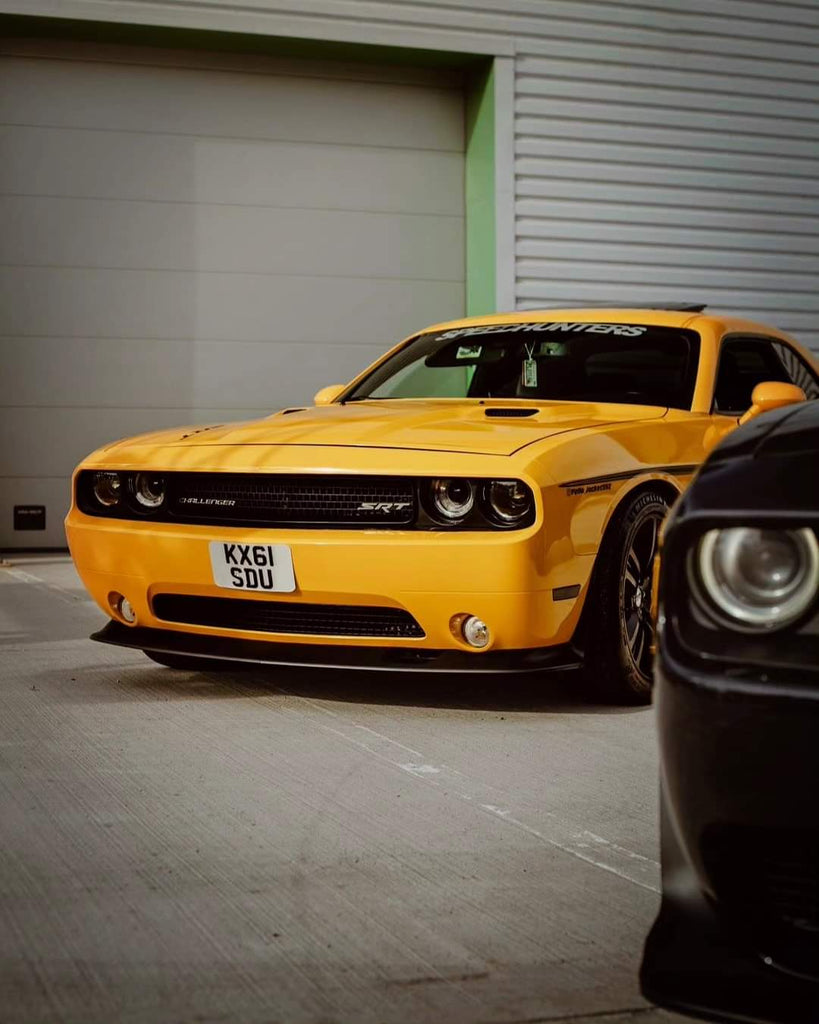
618, 623
635, 598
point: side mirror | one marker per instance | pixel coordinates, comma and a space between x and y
772, 394
328, 395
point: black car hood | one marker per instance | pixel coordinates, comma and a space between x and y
791, 430
769, 466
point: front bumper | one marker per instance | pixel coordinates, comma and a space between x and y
740, 765
508, 579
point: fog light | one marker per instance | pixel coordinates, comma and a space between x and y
122, 607
475, 631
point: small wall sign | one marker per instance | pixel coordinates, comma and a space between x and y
29, 517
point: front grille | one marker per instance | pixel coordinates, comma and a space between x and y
278, 499
769, 880
287, 617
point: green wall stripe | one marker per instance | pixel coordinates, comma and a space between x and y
480, 193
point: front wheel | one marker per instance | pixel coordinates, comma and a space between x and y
620, 633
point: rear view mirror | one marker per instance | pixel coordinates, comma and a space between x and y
329, 394
772, 394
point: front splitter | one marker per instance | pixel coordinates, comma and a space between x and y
378, 659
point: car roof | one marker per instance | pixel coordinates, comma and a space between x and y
613, 315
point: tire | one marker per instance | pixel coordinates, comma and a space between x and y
187, 662
619, 628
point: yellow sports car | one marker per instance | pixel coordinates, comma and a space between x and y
485, 497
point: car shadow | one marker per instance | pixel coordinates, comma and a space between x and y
561, 692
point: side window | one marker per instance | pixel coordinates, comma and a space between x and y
744, 363
799, 372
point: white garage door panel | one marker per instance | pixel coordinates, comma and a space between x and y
118, 165
242, 307
193, 373
70, 434
184, 101
191, 244
230, 239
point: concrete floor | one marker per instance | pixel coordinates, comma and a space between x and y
309, 848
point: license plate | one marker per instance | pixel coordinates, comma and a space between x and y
266, 567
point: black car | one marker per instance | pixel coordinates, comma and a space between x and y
737, 695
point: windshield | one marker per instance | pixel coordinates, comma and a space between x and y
574, 362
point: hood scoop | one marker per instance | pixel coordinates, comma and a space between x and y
511, 413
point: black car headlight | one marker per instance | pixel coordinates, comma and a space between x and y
508, 502
107, 488
452, 499
755, 579
476, 504
149, 489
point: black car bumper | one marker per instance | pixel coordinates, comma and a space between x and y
392, 659
737, 937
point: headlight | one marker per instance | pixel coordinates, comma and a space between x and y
453, 499
758, 579
508, 501
149, 489
107, 488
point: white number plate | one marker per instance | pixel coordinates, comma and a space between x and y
252, 566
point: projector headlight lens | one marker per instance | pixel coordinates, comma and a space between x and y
108, 488
453, 499
508, 501
149, 489
758, 579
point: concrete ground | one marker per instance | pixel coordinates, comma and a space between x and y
309, 848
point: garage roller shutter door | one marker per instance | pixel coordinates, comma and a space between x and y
670, 151
185, 242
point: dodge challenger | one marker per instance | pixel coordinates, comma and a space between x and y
485, 497
737, 694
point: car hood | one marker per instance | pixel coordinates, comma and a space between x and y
488, 428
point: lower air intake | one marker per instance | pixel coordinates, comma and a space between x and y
287, 617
